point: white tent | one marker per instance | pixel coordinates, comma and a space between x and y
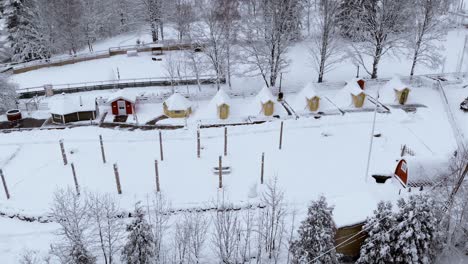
387, 92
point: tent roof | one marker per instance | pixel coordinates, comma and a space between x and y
395, 83
71, 104
265, 95
353, 87
122, 94
221, 98
177, 102
309, 91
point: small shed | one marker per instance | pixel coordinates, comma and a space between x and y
72, 109
177, 106
311, 97
355, 88
122, 103
396, 90
267, 101
221, 101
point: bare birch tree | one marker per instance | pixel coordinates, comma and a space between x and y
225, 234
153, 10
267, 35
383, 25
325, 47
211, 32
428, 29
158, 217
71, 213
108, 228
272, 217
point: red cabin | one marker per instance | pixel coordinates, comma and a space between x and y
122, 104
401, 172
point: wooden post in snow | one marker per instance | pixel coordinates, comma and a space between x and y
5, 187
64, 154
75, 179
117, 179
161, 146
156, 170
281, 136
262, 168
220, 172
225, 141
198, 143
102, 149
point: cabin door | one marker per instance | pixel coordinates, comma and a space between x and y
121, 107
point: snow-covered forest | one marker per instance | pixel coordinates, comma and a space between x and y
315, 198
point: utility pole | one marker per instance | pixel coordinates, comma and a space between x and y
366, 176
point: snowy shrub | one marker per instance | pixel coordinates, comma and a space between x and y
139, 247
316, 235
377, 248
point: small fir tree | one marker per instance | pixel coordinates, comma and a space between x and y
377, 248
416, 234
316, 235
139, 248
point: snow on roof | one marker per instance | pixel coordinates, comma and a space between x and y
395, 83
177, 102
67, 104
220, 98
387, 92
424, 169
265, 95
309, 91
122, 94
353, 87
343, 97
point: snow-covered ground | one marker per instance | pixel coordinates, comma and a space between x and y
297, 74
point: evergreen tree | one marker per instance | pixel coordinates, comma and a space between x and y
80, 255
24, 31
377, 248
139, 248
416, 234
316, 235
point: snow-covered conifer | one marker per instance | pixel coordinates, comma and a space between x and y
377, 248
416, 233
316, 235
139, 247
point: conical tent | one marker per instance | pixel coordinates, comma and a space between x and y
267, 101
221, 102
395, 91
311, 97
351, 94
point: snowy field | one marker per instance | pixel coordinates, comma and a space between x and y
297, 75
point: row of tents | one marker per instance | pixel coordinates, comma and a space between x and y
122, 103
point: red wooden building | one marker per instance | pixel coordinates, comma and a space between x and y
122, 104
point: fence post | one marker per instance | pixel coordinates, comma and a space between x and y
161, 146
102, 149
64, 154
198, 143
158, 189
220, 172
5, 187
281, 136
262, 168
225, 141
117, 179
77, 187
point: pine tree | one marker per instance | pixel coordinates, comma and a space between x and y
80, 255
24, 31
316, 235
139, 248
377, 248
416, 234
